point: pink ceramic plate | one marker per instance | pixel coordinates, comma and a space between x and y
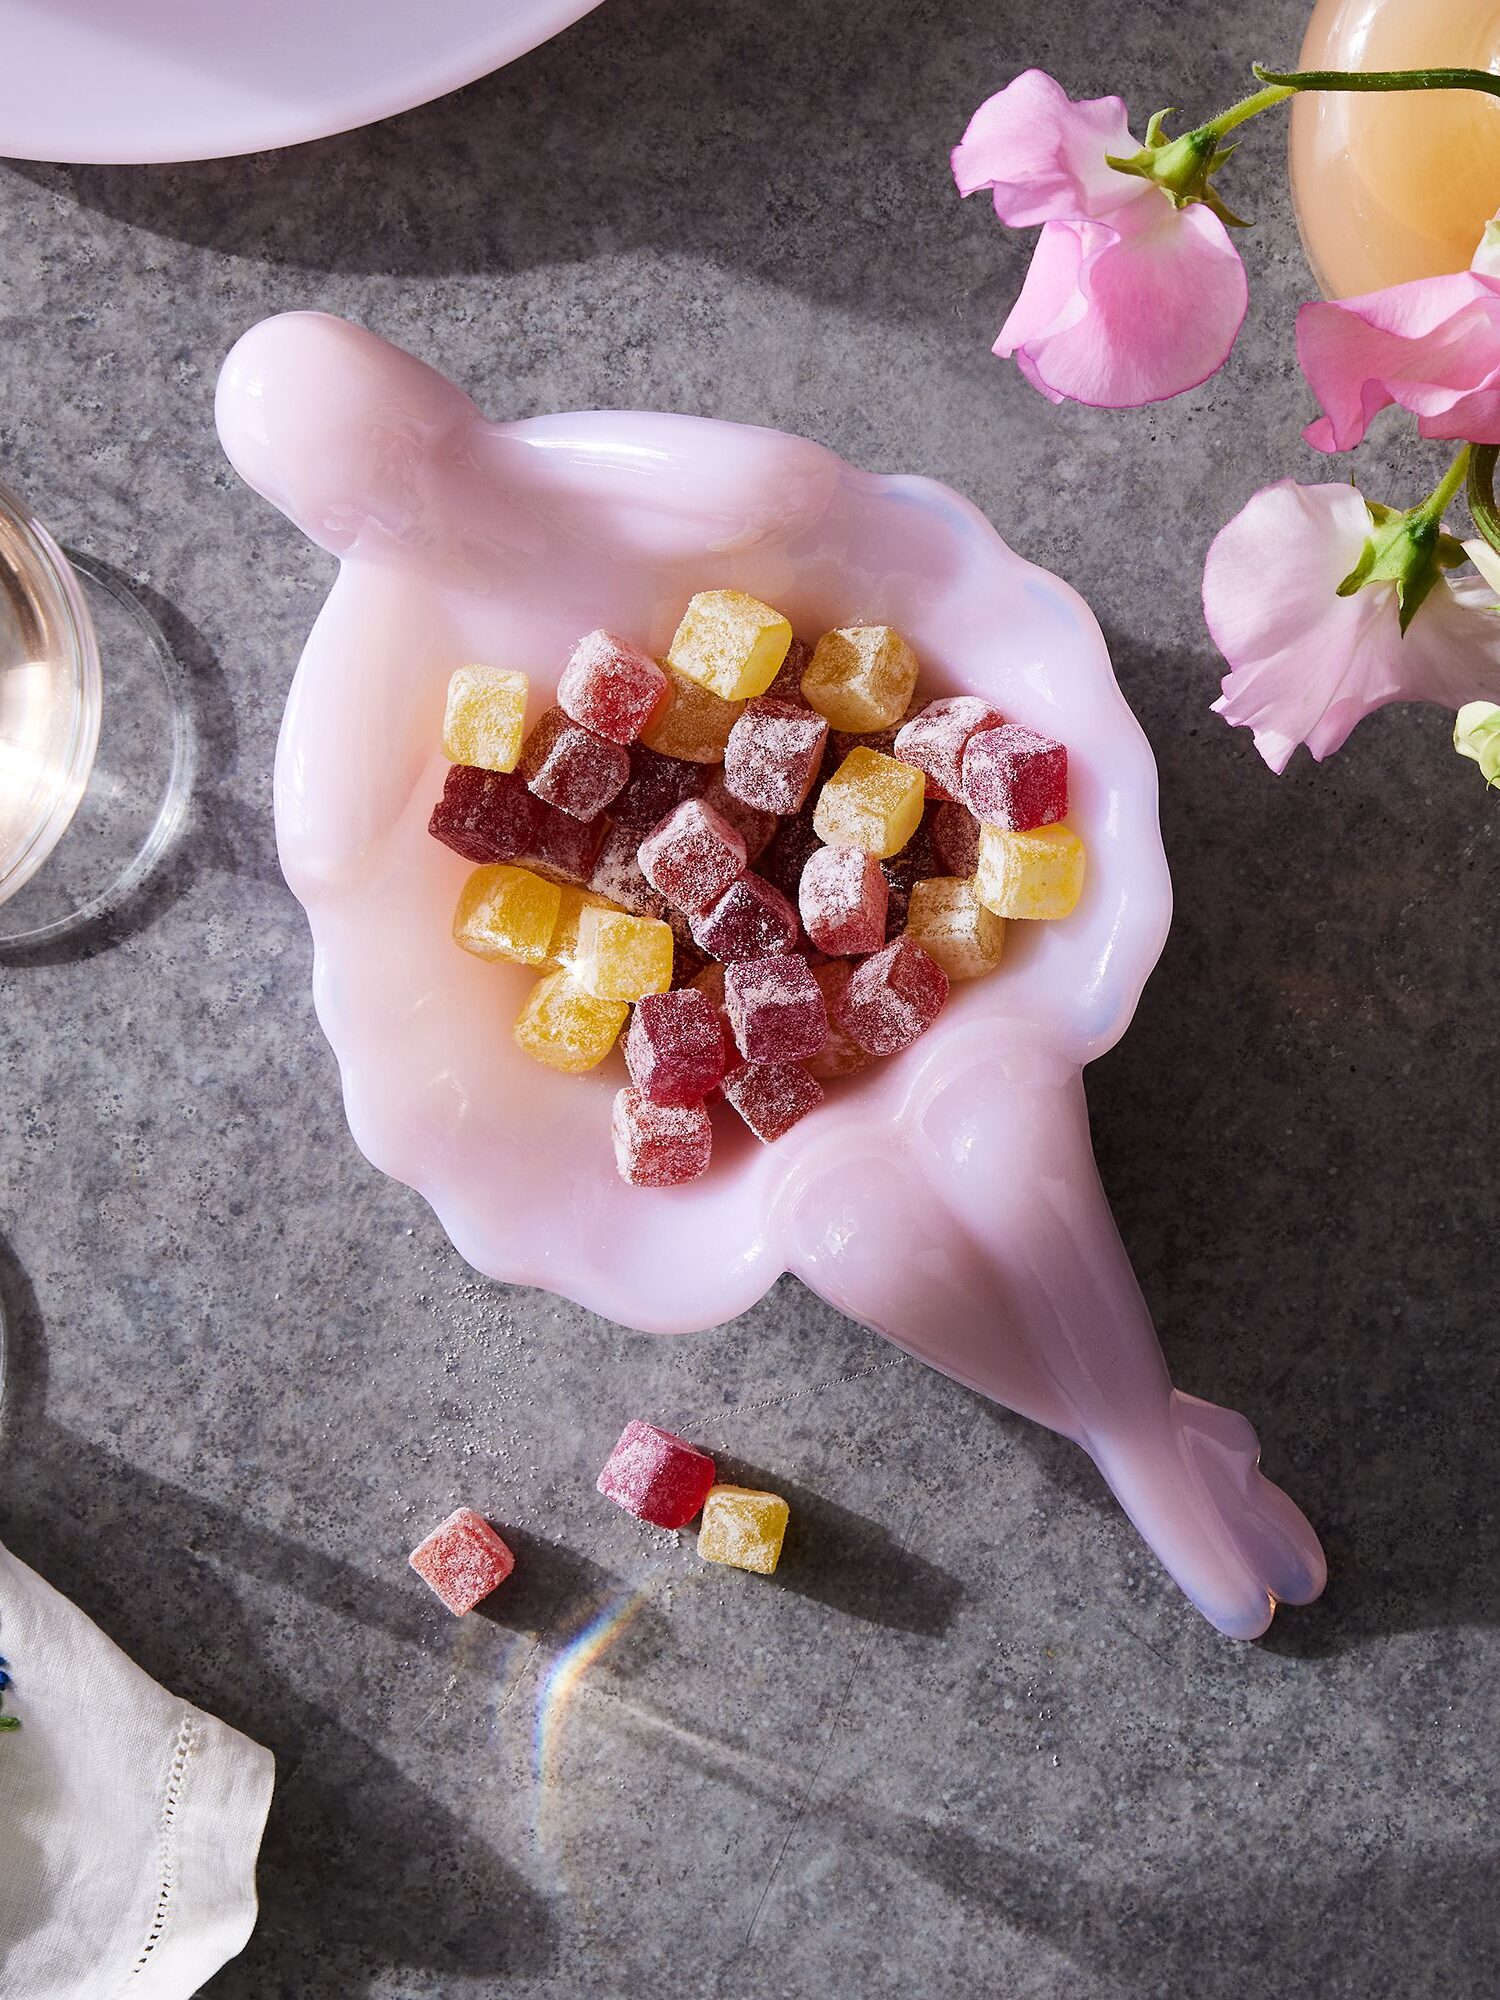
948, 1197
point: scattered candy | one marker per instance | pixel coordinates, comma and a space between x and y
484, 815
730, 643
692, 857
657, 1476
771, 1097
656, 784
485, 715
610, 687
693, 723
892, 998
955, 839
507, 913
1014, 778
571, 768
953, 927
566, 1028
933, 741
743, 1528
1036, 874
463, 1560
750, 920
565, 848
675, 1048
775, 1008
861, 678
870, 802
659, 1145
839, 1056
622, 957
774, 754
842, 897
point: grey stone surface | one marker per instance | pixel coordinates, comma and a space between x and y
970, 1741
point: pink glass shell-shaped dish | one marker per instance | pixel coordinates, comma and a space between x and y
947, 1197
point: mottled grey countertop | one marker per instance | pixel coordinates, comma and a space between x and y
970, 1740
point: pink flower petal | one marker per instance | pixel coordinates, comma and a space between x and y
1432, 345
1044, 156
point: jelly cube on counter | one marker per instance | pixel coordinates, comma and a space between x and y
774, 754
656, 784
564, 848
730, 643
1014, 778
659, 1145
842, 897
692, 857
757, 829
565, 1027
839, 1056
485, 718
861, 678
934, 740
955, 839
771, 1097
617, 876
775, 1008
750, 920
485, 815
947, 919
571, 768
693, 723
622, 957
507, 913
871, 802
674, 1047
892, 998
1035, 875
463, 1560
562, 946
657, 1476
743, 1528
610, 687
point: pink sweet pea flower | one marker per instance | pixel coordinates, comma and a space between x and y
1305, 663
1129, 298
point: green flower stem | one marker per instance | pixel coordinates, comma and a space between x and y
1440, 499
1294, 80
1481, 493
1275, 92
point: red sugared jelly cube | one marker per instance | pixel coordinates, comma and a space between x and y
787, 685
571, 768
842, 896
933, 741
610, 686
775, 1008
750, 920
484, 815
756, 829
771, 1097
563, 848
657, 1476
463, 1560
1015, 778
656, 784
617, 875
674, 1047
955, 840
659, 1145
692, 857
892, 998
774, 753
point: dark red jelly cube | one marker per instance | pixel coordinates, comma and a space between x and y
1015, 778
571, 768
750, 920
657, 1476
756, 829
916, 861
563, 848
610, 686
659, 1145
892, 998
655, 786
674, 1047
692, 857
484, 815
955, 840
842, 897
774, 753
771, 1097
795, 840
775, 1008
617, 875
787, 685
933, 741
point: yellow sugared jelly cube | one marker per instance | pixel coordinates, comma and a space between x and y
947, 919
743, 1528
861, 678
730, 643
692, 723
566, 1028
621, 957
871, 802
485, 718
562, 947
506, 912
1036, 874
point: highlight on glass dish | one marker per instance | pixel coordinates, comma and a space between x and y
802, 764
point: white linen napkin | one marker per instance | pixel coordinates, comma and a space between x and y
129, 1820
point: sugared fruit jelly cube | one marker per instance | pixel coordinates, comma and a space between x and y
787, 685
774, 753
1014, 778
955, 839
871, 802
730, 643
710, 983
566, 1028
892, 998
794, 842
571, 768
659, 1145
771, 1097
687, 959
463, 1560
610, 686
621, 957
657, 1476
656, 784
674, 1047
1038, 874
563, 848
947, 919
903, 871
756, 829
485, 718
838, 1055
750, 920
618, 879
775, 1008
484, 815
562, 946
842, 741
692, 723
934, 740
842, 897
692, 857
862, 677
508, 913
743, 1528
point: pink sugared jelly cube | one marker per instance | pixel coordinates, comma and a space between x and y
657, 1476
955, 840
1015, 779
563, 848
484, 815
674, 1047
656, 784
775, 1008
771, 1097
463, 1560
659, 1145
610, 686
774, 753
750, 920
617, 875
842, 896
692, 857
892, 998
571, 768
933, 741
